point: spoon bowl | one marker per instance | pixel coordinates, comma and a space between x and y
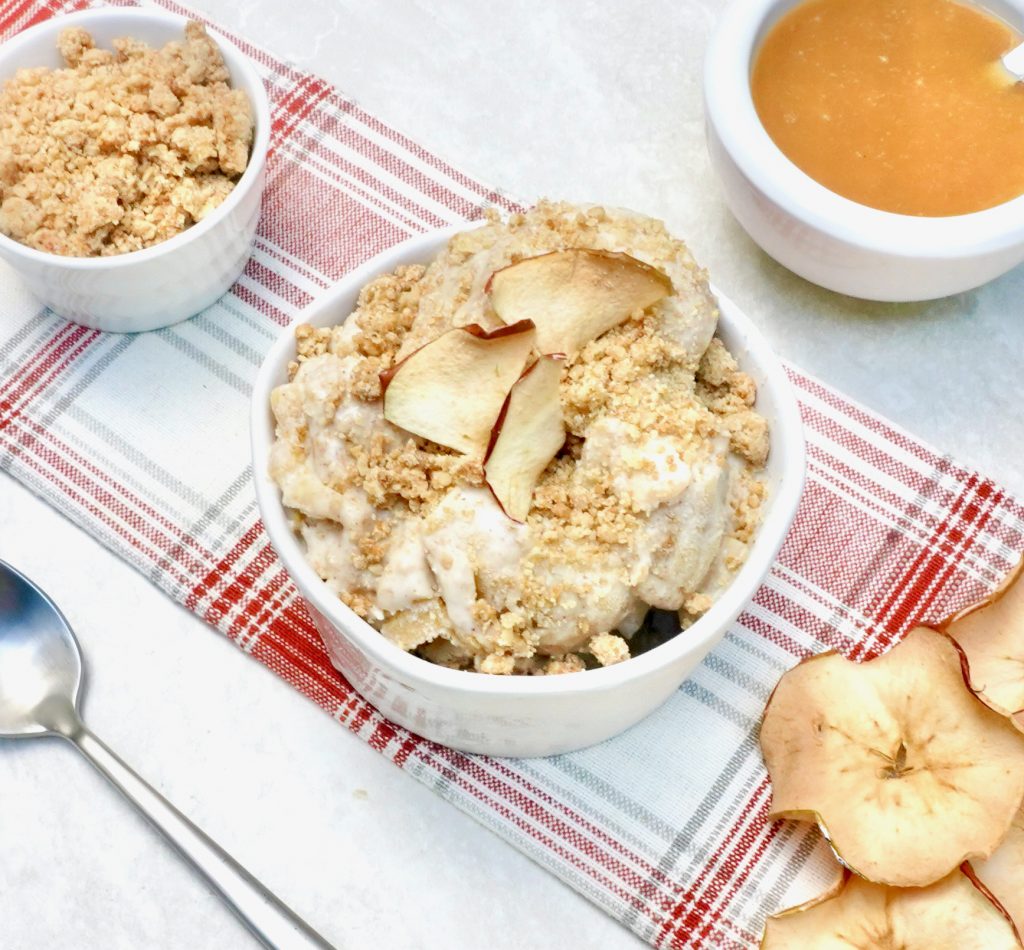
40, 661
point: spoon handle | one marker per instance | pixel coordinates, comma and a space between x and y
1014, 61
270, 921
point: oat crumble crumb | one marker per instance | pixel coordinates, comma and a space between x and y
608, 648
697, 604
567, 663
497, 664
730, 393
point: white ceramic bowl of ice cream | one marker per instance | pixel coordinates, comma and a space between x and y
172, 280
524, 715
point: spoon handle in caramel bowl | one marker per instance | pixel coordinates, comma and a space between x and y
1014, 62
269, 919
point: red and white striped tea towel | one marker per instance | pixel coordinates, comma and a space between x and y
663, 827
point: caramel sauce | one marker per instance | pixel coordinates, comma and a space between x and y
900, 105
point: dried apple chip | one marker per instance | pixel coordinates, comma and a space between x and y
905, 770
991, 634
527, 435
952, 914
575, 295
451, 390
1003, 873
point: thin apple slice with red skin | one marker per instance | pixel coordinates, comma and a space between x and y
452, 389
906, 771
526, 437
991, 636
951, 914
1003, 872
575, 295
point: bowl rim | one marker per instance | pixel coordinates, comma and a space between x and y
729, 109
238, 63
787, 438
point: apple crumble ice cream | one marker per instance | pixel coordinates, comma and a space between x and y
504, 459
123, 148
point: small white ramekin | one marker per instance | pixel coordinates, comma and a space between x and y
820, 235
173, 280
521, 715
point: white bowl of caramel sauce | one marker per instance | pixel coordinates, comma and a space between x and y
875, 148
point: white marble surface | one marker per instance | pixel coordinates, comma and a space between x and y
583, 100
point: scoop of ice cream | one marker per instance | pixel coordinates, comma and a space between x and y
651, 502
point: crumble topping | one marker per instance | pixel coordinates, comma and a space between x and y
652, 501
608, 648
730, 393
122, 149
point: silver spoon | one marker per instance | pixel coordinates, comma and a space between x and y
40, 685
1014, 62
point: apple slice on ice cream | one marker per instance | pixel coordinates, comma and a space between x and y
575, 295
527, 435
452, 389
906, 771
952, 914
991, 634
